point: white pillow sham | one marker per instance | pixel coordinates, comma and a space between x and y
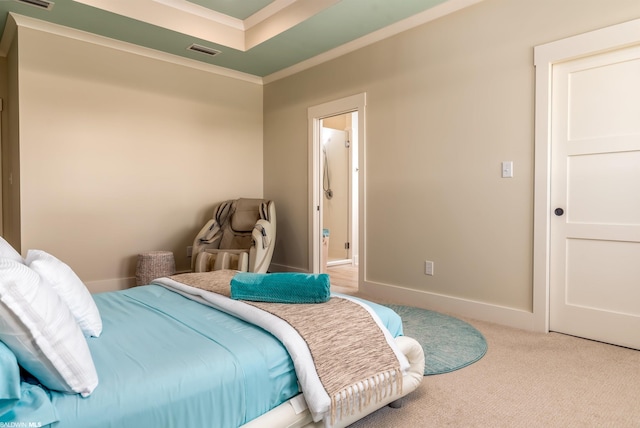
8, 252
41, 331
70, 288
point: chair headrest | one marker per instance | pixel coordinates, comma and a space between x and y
246, 214
222, 212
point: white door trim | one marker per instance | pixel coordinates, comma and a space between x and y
545, 56
314, 115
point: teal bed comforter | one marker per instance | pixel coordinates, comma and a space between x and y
164, 360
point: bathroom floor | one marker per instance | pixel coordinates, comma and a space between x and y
344, 278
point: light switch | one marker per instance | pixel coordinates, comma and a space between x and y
507, 169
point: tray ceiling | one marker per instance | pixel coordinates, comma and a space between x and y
257, 37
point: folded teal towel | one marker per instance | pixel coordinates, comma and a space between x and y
281, 287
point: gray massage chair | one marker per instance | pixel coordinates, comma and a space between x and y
240, 236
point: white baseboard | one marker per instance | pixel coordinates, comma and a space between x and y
340, 262
451, 305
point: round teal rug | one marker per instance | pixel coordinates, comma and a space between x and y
449, 343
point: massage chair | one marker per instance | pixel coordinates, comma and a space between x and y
240, 236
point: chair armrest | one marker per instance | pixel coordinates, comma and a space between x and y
213, 242
263, 235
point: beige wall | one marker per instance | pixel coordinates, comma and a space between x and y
11, 150
447, 102
121, 153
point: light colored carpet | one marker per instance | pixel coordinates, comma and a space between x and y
527, 380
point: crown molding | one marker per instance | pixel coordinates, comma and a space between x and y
428, 15
15, 21
197, 21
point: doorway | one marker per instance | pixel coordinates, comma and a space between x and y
336, 149
339, 146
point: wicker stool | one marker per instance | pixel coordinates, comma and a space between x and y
154, 264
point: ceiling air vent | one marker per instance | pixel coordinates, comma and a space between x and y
42, 4
204, 50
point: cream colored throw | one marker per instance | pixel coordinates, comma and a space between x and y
352, 356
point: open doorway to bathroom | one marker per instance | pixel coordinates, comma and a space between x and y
339, 200
336, 190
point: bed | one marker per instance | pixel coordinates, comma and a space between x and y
165, 359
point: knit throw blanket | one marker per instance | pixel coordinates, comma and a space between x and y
343, 356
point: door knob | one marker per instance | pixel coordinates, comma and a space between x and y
559, 211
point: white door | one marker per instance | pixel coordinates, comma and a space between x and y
595, 198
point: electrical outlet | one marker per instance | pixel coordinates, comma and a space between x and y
189, 251
428, 268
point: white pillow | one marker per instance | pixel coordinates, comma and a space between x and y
70, 288
8, 252
41, 331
